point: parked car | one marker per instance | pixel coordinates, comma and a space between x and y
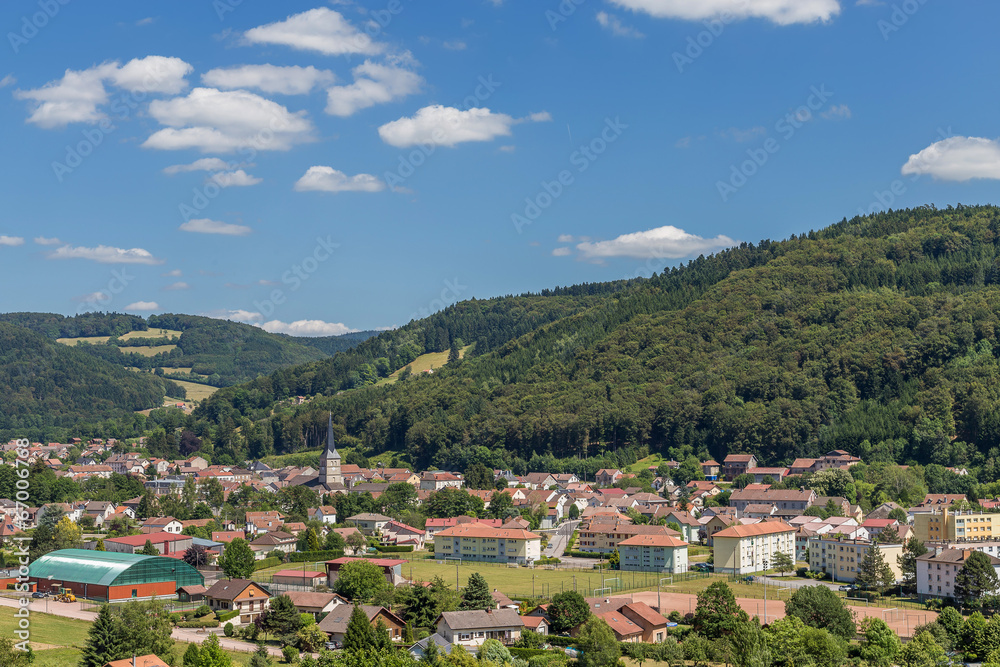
847, 588
38, 594
333, 646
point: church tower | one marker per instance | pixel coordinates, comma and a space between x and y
329, 462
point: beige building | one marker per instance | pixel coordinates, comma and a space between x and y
945, 525
476, 541
841, 557
603, 537
745, 549
654, 553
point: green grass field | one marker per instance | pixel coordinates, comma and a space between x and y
97, 340
71, 635
424, 362
196, 391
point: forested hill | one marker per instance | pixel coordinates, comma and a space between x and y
876, 335
216, 352
46, 385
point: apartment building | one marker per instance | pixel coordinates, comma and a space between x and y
936, 571
841, 558
603, 537
745, 549
784, 501
654, 553
945, 525
476, 541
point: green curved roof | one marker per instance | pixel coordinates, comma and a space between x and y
108, 568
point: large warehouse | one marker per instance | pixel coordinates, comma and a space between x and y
105, 575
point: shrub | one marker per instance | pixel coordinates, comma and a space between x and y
203, 623
389, 549
175, 618
203, 610
228, 629
311, 556
290, 654
547, 561
224, 616
933, 603
266, 563
675, 617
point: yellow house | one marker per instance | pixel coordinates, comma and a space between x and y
477, 541
946, 525
752, 548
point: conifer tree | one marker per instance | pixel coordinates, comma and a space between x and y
477, 594
873, 572
103, 641
359, 635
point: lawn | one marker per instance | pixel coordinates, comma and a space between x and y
99, 340
46, 628
195, 391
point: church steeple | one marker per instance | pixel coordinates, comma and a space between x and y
329, 461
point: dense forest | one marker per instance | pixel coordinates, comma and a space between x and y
219, 352
876, 335
46, 385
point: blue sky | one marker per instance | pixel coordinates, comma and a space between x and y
316, 168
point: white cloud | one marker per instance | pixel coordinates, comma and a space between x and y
740, 135
565, 238
146, 21
77, 96
213, 120
105, 255
307, 328
175, 273
957, 159
837, 112
11, 240
321, 29
662, 242
204, 164
177, 287
373, 84
562, 252
455, 45
41, 240
206, 226
328, 179
617, 28
782, 12
8, 80
446, 126
293, 80
143, 305
238, 178
508, 149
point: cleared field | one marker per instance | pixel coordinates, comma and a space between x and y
148, 351
180, 371
424, 362
195, 391
47, 628
97, 340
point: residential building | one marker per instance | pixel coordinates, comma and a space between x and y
167, 544
401, 535
945, 525
324, 513
437, 480
476, 541
745, 549
472, 628
735, 465
936, 571
711, 469
654, 553
876, 526
840, 557
603, 537
304, 578
369, 523
335, 623
162, 524
276, 540
165, 486
607, 476
259, 523
391, 568
760, 474
242, 595
434, 526
308, 602
796, 502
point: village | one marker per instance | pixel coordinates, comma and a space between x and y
635, 546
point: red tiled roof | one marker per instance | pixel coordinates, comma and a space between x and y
753, 530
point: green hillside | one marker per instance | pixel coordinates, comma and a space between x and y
46, 385
876, 335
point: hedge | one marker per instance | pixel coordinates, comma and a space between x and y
227, 615
266, 563
387, 549
311, 556
214, 623
585, 554
559, 640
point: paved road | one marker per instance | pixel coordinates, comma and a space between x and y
561, 538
